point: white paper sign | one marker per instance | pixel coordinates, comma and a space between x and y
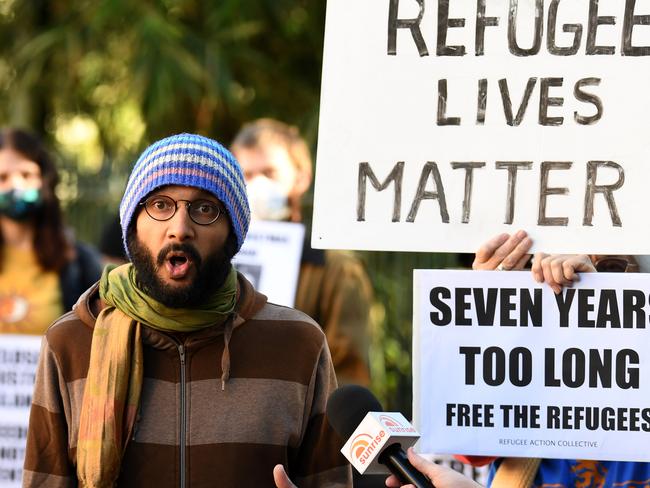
503, 367
270, 259
445, 123
18, 360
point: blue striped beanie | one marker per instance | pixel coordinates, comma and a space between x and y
188, 160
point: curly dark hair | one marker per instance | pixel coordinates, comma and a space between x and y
51, 247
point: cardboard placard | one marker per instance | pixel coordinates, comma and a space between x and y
270, 259
18, 361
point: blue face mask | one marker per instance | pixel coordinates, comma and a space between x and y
19, 204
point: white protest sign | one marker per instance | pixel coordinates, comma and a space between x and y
270, 259
443, 123
504, 367
18, 360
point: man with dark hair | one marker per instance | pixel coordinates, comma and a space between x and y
173, 370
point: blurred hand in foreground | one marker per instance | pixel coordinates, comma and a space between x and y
280, 477
440, 476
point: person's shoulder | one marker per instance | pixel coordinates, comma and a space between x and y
68, 331
274, 312
344, 262
349, 270
340, 256
290, 320
67, 344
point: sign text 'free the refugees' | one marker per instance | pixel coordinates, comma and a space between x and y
564, 376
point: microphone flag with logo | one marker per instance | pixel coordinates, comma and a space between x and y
375, 439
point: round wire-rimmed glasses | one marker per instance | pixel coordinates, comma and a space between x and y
201, 211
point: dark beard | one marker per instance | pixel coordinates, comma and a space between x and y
211, 274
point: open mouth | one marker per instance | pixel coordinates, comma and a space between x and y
178, 264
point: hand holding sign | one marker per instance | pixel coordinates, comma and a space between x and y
559, 270
504, 252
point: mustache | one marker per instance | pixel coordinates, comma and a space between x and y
186, 248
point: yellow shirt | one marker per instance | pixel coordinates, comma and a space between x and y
30, 298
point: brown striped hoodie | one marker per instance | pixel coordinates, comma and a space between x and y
190, 432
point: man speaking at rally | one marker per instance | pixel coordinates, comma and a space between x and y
173, 370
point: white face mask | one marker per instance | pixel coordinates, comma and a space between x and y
267, 199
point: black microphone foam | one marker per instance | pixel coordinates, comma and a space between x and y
347, 406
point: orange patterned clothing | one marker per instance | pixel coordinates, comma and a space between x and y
572, 473
30, 298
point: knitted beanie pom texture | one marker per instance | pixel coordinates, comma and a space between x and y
188, 160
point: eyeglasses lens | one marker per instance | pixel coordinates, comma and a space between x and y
204, 211
162, 208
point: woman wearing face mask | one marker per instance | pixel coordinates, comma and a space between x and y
42, 271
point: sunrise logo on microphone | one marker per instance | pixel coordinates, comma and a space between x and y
394, 425
364, 445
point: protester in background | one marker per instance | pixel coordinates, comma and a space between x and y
173, 370
42, 270
333, 287
110, 243
511, 252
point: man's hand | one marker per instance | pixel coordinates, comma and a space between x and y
280, 477
440, 476
559, 270
504, 252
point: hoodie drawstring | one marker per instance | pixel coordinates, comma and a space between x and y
234, 321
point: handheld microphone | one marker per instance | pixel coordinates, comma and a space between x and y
375, 438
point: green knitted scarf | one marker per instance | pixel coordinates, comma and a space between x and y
118, 288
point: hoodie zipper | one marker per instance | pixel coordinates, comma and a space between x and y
183, 433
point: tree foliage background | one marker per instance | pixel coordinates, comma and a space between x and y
100, 80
